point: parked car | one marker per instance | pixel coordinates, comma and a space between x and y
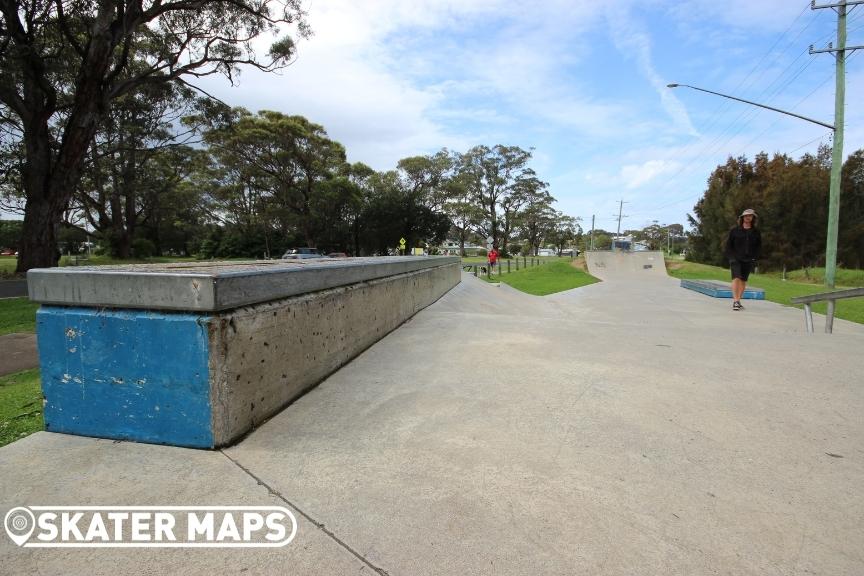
8, 253
337, 255
302, 254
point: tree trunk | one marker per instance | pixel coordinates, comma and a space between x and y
38, 248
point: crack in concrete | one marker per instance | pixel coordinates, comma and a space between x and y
319, 525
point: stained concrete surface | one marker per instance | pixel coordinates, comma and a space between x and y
621, 428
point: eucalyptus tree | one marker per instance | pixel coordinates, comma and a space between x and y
530, 196
851, 245
493, 176
119, 189
395, 209
275, 168
535, 222
63, 64
563, 231
463, 212
423, 182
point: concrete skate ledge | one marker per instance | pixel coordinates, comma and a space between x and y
202, 377
211, 286
718, 289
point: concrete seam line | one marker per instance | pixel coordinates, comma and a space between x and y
319, 525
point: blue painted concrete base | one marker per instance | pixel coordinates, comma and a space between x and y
718, 289
126, 374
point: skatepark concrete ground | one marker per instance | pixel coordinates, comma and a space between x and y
626, 427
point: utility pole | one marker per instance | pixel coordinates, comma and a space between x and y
620, 209
837, 151
592, 232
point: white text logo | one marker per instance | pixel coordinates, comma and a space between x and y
150, 526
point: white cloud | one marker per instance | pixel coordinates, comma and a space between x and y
637, 175
634, 42
362, 79
390, 79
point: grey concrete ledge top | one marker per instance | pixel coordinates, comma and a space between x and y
211, 286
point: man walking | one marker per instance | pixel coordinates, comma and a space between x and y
743, 247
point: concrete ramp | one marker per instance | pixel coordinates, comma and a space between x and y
617, 265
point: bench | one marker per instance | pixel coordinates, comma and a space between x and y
831, 298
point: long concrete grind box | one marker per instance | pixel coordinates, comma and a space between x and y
198, 354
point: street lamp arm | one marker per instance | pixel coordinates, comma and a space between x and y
826, 125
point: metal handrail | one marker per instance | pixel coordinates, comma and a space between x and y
831, 298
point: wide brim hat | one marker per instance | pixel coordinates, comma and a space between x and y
748, 212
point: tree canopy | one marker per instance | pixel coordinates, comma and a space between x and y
63, 65
791, 199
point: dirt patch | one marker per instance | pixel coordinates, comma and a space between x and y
580, 264
19, 353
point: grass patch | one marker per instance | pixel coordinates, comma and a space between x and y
782, 291
20, 405
842, 277
17, 315
7, 266
547, 279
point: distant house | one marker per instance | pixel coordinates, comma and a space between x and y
622, 243
451, 248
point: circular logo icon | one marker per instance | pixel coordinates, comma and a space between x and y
19, 523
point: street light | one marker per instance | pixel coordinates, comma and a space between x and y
834, 191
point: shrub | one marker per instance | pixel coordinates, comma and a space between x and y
143, 248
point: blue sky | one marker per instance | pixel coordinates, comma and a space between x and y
582, 82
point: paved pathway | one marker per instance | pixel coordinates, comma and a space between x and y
18, 353
13, 288
621, 428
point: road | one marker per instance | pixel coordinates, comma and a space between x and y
13, 288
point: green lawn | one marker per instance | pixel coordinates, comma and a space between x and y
842, 277
781, 291
549, 278
7, 265
17, 315
20, 405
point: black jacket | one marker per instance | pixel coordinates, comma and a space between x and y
744, 244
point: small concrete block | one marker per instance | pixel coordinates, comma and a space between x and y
717, 289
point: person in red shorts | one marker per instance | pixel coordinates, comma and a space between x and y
493, 259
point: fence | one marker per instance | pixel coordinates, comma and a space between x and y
512, 264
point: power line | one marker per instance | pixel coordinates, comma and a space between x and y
818, 138
777, 85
